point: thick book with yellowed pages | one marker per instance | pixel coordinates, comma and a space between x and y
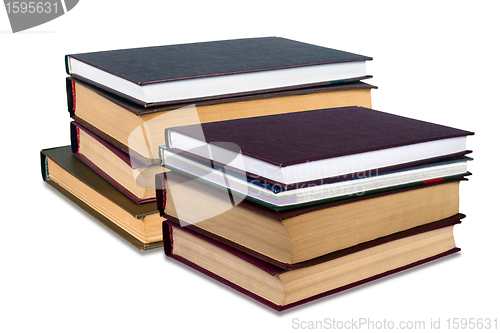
288, 238
138, 224
282, 289
130, 176
117, 121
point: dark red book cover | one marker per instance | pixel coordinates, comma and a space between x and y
289, 139
168, 246
141, 110
280, 216
75, 147
127, 106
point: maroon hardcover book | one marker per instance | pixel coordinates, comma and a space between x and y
220, 60
78, 107
169, 244
110, 149
249, 207
141, 110
271, 145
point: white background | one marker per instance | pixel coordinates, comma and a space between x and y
62, 271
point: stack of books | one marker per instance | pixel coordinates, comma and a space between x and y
270, 171
288, 208
121, 102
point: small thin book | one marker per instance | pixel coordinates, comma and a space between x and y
278, 199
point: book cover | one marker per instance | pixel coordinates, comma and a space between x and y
139, 110
101, 111
277, 198
200, 207
73, 174
262, 272
317, 146
116, 157
219, 60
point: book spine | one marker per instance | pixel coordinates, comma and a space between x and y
168, 138
75, 138
71, 96
67, 65
167, 239
44, 166
161, 195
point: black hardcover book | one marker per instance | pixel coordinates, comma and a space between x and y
170, 74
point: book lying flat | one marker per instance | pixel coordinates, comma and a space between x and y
317, 146
115, 119
187, 72
276, 198
132, 177
282, 289
287, 238
138, 224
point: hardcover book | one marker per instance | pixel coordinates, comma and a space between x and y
138, 224
132, 177
290, 237
116, 120
173, 74
282, 289
317, 146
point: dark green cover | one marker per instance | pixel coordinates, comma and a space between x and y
63, 157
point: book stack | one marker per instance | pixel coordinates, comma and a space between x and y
288, 208
270, 171
121, 102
